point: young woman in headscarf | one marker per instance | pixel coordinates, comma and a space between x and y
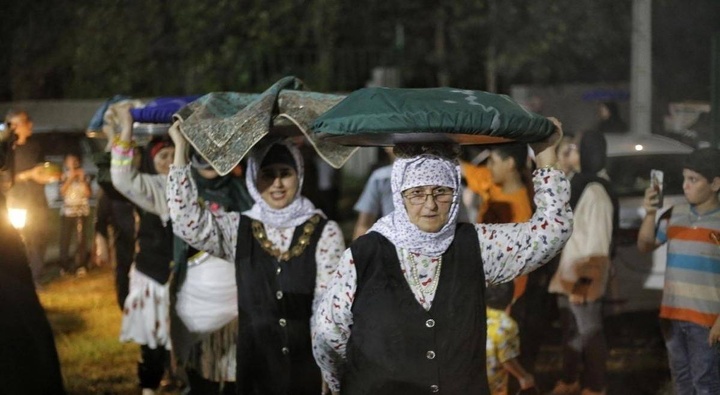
388, 324
145, 313
203, 294
285, 252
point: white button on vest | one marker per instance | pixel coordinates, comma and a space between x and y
430, 354
430, 323
279, 295
278, 270
434, 388
282, 322
285, 350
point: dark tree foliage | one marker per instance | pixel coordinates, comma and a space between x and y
80, 49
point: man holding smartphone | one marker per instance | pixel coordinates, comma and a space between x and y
690, 306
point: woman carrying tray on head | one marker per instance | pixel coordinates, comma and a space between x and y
285, 253
145, 313
387, 325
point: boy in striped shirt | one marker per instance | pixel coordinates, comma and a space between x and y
691, 296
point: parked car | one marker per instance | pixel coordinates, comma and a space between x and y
637, 279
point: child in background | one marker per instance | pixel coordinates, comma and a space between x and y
75, 191
503, 343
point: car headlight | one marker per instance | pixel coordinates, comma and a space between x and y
17, 216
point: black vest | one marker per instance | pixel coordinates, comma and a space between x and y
274, 353
155, 247
396, 347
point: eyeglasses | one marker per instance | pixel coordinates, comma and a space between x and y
418, 196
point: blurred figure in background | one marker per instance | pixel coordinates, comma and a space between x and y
28, 190
75, 191
28, 357
690, 309
503, 342
504, 186
146, 309
610, 120
568, 156
376, 198
582, 274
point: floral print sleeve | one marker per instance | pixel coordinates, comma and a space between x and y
511, 250
327, 255
147, 191
332, 321
212, 231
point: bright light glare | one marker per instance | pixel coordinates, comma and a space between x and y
18, 216
638, 147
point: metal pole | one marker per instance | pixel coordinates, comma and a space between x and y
715, 94
641, 68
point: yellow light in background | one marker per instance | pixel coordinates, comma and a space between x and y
18, 216
638, 147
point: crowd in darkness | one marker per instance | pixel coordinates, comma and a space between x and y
245, 281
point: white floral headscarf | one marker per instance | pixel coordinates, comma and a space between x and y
410, 173
297, 212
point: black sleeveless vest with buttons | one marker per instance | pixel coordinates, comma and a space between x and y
274, 354
155, 247
396, 346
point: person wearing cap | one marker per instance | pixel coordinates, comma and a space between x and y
285, 252
690, 308
405, 312
146, 307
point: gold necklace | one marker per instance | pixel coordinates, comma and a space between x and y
258, 230
416, 277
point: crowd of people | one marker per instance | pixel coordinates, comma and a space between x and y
251, 288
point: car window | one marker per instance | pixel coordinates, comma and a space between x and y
630, 175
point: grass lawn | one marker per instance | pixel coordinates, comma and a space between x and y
85, 318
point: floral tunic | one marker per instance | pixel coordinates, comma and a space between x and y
216, 232
507, 251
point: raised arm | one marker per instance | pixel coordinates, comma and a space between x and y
147, 191
510, 250
332, 322
647, 240
206, 230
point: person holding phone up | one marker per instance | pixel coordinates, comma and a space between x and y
690, 309
582, 273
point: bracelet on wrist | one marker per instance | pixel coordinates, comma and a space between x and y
117, 142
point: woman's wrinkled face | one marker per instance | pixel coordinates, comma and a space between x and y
428, 207
163, 159
278, 185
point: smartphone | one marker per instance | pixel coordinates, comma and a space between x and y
656, 181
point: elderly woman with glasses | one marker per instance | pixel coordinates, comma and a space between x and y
388, 324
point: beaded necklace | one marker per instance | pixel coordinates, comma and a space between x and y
416, 278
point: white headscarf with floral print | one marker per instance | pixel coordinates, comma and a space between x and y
297, 212
414, 172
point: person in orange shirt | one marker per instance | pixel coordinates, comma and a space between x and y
504, 188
